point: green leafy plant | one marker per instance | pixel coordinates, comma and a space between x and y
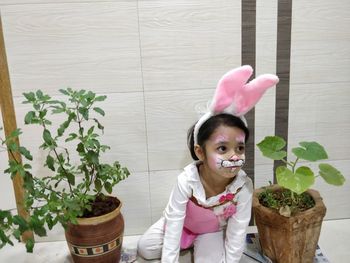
70, 188
297, 179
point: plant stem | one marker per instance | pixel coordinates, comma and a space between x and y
293, 198
59, 162
286, 162
294, 164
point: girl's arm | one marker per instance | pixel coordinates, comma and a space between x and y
237, 225
175, 213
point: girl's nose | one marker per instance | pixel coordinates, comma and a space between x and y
234, 157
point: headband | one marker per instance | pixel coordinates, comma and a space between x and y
234, 96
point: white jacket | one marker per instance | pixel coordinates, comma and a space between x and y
188, 184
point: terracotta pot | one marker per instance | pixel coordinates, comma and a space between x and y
97, 239
289, 239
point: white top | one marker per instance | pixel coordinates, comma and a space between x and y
188, 184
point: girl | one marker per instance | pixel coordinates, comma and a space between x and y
210, 206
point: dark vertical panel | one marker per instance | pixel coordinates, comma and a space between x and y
284, 24
248, 58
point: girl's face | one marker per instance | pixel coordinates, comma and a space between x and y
225, 151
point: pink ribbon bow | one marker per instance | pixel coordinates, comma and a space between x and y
227, 197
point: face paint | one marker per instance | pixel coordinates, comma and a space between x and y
224, 155
240, 138
220, 139
228, 163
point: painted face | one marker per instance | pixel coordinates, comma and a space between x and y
225, 151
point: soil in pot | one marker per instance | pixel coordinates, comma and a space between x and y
101, 206
286, 203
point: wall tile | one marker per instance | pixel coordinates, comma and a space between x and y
31, 2
188, 44
161, 185
169, 115
263, 175
80, 45
321, 112
320, 50
134, 192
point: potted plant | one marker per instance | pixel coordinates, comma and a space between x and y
75, 191
289, 215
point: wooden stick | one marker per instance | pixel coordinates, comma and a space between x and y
9, 120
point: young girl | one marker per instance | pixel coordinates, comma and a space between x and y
210, 206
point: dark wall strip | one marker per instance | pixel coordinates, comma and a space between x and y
284, 25
248, 58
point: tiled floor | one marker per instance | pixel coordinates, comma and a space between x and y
334, 242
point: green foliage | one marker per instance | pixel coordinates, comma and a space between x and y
299, 179
60, 197
271, 147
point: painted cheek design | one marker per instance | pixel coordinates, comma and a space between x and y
215, 161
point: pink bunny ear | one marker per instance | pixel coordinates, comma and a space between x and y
247, 97
228, 86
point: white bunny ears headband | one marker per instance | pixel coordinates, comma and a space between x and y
236, 97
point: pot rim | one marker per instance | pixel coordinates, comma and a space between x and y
100, 219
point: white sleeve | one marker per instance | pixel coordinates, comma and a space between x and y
237, 225
175, 213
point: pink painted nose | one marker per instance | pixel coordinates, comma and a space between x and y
234, 158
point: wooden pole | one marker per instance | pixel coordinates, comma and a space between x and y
9, 121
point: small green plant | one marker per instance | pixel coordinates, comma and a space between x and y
69, 191
297, 179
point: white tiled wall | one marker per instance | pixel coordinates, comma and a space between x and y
159, 60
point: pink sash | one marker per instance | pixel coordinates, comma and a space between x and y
198, 220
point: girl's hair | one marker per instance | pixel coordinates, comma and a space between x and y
207, 129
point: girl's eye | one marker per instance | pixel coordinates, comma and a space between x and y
241, 149
221, 149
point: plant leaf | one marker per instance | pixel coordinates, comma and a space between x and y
310, 151
30, 96
80, 148
25, 153
71, 178
297, 182
108, 187
271, 147
29, 117
30, 245
50, 162
21, 222
15, 133
99, 110
47, 137
100, 98
98, 185
63, 91
331, 175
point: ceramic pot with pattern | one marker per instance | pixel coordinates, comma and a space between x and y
97, 239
